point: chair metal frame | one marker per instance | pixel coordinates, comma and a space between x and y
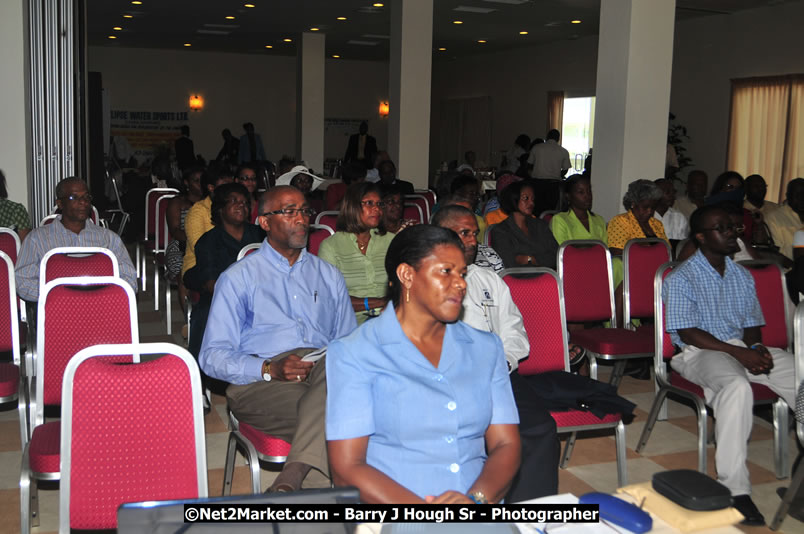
94, 216
135, 350
619, 426
160, 245
15, 237
418, 208
487, 235
426, 209
21, 395
619, 359
323, 214
252, 456
427, 193
29, 500
248, 249
314, 227
124, 215
140, 251
780, 408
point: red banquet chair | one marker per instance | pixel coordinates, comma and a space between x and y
130, 433
428, 194
414, 212
422, 202
10, 243
318, 233
670, 382
161, 240
327, 218
584, 267
12, 388
540, 300
248, 249
59, 338
256, 446
147, 243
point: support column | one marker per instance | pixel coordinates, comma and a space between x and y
634, 67
409, 87
310, 86
14, 104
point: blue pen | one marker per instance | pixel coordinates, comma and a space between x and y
315, 296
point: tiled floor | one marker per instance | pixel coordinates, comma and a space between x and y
592, 467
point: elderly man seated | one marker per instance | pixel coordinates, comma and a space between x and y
268, 311
714, 315
70, 229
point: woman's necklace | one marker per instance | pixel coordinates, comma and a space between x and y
363, 246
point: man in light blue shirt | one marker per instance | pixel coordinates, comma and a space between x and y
714, 314
268, 310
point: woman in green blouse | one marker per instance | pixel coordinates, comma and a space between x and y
358, 249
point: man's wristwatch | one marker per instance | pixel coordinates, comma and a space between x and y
478, 497
266, 370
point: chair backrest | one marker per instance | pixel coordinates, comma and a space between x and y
9, 323
126, 426
487, 236
772, 295
10, 243
162, 234
327, 218
584, 268
429, 194
49, 219
641, 258
546, 215
541, 303
422, 202
75, 313
663, 345
248, 249
67, 262
318, 233
94, 216
798, 323
150, 207
413, 211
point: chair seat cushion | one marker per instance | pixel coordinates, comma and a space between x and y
581, 418
265, 443
44, 452
614, 340
9, 379
761, 393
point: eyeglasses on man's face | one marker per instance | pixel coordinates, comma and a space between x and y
291, 212
726, 228
246, 178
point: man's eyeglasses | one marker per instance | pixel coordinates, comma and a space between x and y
291, 212
725, 229
246, 178
370, 204
77, 198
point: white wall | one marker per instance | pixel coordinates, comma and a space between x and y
237, 88
13, 105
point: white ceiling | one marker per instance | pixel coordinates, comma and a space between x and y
168, 24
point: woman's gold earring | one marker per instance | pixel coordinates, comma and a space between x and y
407, 295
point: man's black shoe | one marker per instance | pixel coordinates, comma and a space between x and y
744, 505
796, 505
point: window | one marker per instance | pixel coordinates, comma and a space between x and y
577, 127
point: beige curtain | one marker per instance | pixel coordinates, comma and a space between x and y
759, 118
793, 166
555, 110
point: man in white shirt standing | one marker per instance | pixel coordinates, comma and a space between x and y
488, 306
549, 159
675, 223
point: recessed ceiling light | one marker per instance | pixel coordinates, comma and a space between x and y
442, 49
576, 21
128, 16
187, 44
313, 29
288, 40
136, 2
341, 18
336, 56
229, 17
112, 37
457, 22
481, 41
269, 46
117, 28
249, 5
523, 33
378, 4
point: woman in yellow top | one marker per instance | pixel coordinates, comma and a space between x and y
636, 223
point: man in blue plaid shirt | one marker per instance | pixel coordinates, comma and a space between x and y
713, 314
